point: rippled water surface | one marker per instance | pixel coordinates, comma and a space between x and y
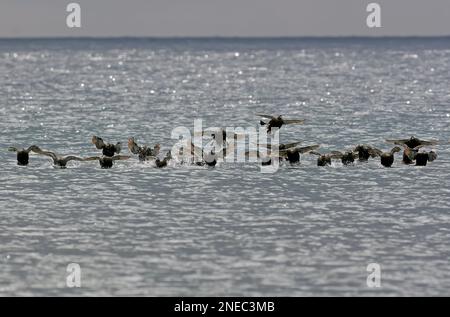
229, 230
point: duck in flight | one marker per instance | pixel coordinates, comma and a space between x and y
107, 149
145, 153
277, 122
411, 148
58, 160
23, 156
412, 142
107, 161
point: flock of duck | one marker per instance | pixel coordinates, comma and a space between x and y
412, 151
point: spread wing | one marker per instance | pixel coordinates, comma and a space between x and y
432, 156
265, 116
120, 157
92, 158
12, 149
73, 158
315, 153
98, 142
118, 147
46, 153
290, 145
300, 150
336, 154
397, 141
374, 152
295, 121
428, 143
306, 149
258, 154
282, 146
133, 147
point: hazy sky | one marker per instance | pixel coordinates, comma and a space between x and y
223, 17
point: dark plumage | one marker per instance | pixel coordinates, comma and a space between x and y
23, 156
422, 158
163, 163
325, 159
412, 142
281, 146
107, 149
144, 153
365, 152
293, 154
58, 160
348, 157
210, 158
387, 158
107, 161
266, 162
277, 122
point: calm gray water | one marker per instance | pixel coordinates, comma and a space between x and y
230, 230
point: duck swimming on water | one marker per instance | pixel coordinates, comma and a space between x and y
325, 159
387, 158
107, 149
348, 157
277, 122
107, 161
23, 156
58, 160
409, 154
269, 146
163, 163
365, 152
210, 158
421, 158
293, 155
287, 151
143, 152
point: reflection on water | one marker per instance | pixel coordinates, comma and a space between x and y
230, 230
